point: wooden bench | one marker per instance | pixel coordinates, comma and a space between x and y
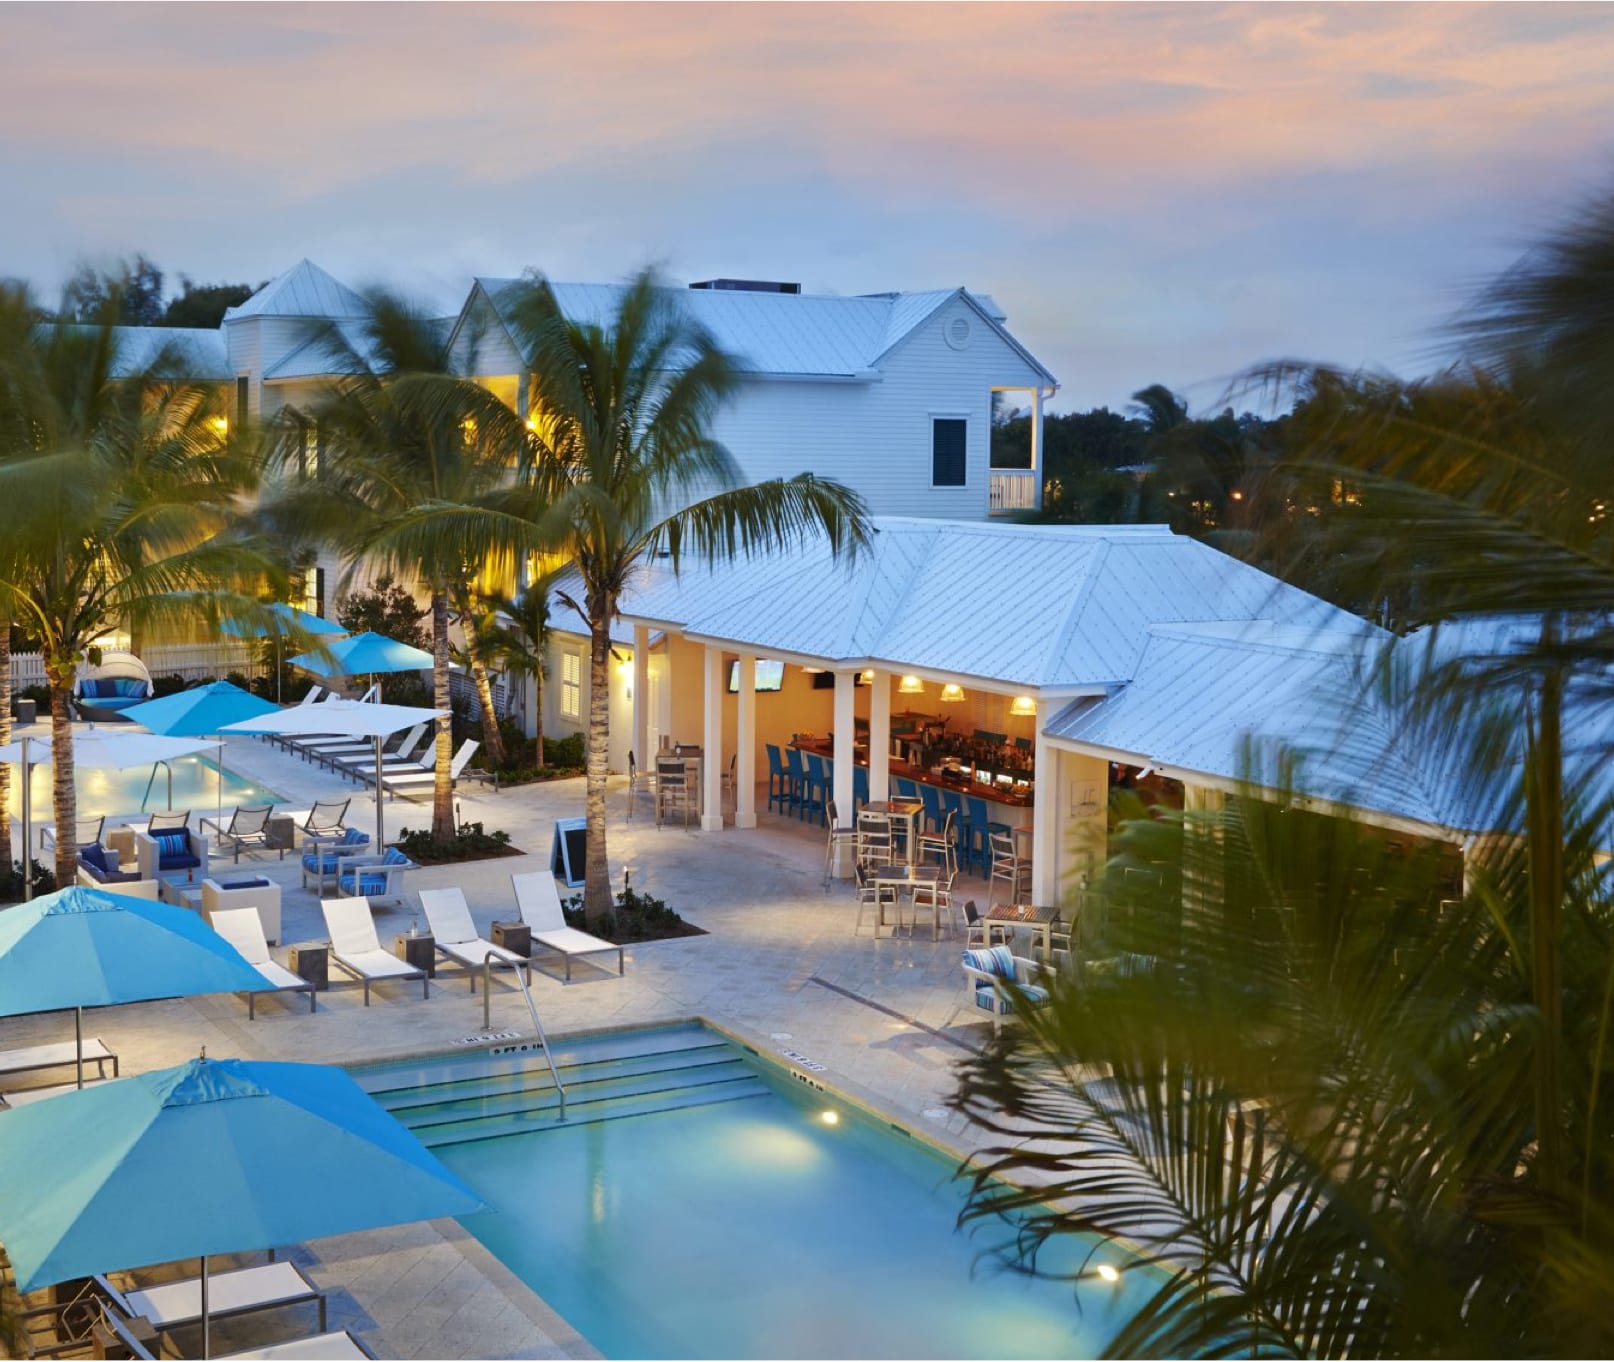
55, 1056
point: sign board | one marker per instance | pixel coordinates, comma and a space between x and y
566, 860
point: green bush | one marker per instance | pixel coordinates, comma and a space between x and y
170, 684
566, 751
11, 881
470, 842
636, 917
38, 693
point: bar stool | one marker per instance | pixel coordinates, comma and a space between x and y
778, 780
797, 775
672, 787
635, 780
1012, 870
905, 788
979, 831
930, 797
816, 790
860, 786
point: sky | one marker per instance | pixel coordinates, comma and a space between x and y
1153, 193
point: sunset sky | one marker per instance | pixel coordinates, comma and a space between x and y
1154, 193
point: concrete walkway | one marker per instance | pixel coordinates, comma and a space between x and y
780, 965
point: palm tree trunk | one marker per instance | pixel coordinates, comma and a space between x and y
538, 704
597, 875
492, 739
443, 786
6, 853
64, 794
1544, 804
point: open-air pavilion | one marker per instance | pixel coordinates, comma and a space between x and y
1014, 633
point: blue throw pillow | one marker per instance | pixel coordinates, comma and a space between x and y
253, 883
94, 856
131, 686
999, 960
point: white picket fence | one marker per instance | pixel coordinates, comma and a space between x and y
189, 660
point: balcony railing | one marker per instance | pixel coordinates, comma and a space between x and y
1013, 489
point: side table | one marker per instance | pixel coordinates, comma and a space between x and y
312, 962
419, 952
280, 833
515, 937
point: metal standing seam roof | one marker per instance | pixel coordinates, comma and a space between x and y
305, 290
193, 351
1035, 607
1234, 701
819, 335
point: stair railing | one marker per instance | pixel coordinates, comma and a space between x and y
488, 962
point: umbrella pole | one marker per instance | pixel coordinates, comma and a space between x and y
207, 1350
27, 826
380, 839
78, 1041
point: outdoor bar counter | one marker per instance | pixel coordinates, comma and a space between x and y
1017, 797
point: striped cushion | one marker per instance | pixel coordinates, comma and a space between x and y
990, 999
998, 960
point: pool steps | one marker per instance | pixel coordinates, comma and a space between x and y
459, 1099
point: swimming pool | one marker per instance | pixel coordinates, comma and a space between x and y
196, 786
700, 1202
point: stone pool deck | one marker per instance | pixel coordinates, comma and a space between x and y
780, 966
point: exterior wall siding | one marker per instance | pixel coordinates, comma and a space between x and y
876, 437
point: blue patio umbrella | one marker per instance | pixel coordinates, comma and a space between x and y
201, 711
82, 947
199, 1160
283, 620
365, 655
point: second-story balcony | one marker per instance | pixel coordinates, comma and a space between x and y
1012, 490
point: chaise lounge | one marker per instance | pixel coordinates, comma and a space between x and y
242, 928
539, 903
449, 918
356, 948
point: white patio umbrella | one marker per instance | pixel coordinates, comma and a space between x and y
97, 749
350, 718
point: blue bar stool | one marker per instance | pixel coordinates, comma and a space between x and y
797, 775
816, 793
981, 828
905, 788
860, 786
778, 780
930, 797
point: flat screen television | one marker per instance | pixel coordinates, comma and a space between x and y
770, 675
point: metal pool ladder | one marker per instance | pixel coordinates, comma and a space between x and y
532, 1011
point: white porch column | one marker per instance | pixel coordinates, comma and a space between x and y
712, 745
1045, 822
1036, 446
641, 698
845, 732
745, 776
880, 737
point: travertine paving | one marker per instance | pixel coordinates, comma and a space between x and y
780, 966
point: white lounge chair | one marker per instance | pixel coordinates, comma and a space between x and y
449, 917
539, 903
241, 1291
419, 782
243, 929
335, 752
357, 950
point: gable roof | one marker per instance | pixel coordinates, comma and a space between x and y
784, 334
1036, 607
305, 290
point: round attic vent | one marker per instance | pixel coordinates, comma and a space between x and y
957, 332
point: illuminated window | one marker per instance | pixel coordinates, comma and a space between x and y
571, 683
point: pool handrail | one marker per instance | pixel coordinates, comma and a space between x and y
488, 961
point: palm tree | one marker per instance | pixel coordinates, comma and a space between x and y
119, 497
621, 466
402, 435
1357, 1106
517, 637
477, 612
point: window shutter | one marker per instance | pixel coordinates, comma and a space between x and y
947, 446
241, 390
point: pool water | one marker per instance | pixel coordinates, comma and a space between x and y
196, 786
747, 1226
